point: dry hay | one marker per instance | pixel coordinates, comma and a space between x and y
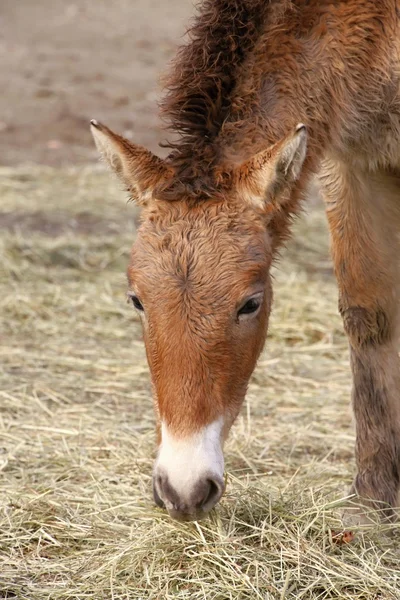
77, 427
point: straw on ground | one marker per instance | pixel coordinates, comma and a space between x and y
77, 426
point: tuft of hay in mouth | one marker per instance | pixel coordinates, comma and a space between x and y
77, 427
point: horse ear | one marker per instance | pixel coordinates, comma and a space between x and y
139, 169
266, 178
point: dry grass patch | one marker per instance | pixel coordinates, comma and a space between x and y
77, 427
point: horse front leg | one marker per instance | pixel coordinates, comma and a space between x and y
363, 219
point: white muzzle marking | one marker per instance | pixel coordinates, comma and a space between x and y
186, 461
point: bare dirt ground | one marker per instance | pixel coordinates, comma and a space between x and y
63, 63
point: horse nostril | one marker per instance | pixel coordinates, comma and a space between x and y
157, 489
164, 493
212, 492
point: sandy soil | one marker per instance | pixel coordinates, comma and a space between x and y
63, 63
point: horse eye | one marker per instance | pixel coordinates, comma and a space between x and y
136, 302
250, 306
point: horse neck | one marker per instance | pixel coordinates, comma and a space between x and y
317, 64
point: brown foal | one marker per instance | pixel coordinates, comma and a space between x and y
263, 96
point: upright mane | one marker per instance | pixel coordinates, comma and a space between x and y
200, 88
